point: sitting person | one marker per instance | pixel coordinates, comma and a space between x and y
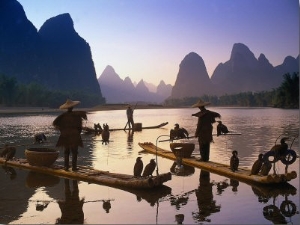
178, 133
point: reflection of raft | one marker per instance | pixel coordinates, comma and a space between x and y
241, 175
91, 175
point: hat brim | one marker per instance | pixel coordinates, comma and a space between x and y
200, 104
68, 105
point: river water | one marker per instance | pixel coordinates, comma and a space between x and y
196, 198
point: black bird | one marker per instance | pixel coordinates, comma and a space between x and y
8, 152
234, 161
150, 167
105, 134
266, 167
221, 128
257, 165
138, 167
40, 138
280, 149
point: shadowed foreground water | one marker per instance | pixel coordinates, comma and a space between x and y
193, 196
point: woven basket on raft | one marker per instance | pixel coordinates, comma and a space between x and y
183, 150
41, 156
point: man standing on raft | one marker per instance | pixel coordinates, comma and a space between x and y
70, 126
204, 128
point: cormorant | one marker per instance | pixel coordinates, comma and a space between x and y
257, 165
138, 167
8, 152
150, 167
221, 129
105, 134
234, 161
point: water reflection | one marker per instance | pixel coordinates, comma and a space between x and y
205, 199
272, 212
10, 171
130, 139
71, 207
182, 170
36, 180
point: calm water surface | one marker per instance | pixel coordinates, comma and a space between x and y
201, 197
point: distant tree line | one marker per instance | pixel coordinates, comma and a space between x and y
285, 96
36, 95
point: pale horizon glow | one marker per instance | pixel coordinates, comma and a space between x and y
148, 39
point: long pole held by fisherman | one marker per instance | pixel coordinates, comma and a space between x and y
132, 112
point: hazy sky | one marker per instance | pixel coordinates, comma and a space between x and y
147, 39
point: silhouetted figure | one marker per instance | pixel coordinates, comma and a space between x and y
138, 167
70, 126
280, 149
234, 161
130, 122
257, 165
40, 138
71, 208
221, 129
8, 152
178, 132
149, 169
204, 128
105, 134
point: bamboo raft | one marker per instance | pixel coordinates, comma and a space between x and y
89, 174
242, 174
139, 127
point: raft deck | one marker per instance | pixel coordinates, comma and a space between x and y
91, 175
242, 174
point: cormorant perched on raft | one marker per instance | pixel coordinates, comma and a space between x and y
150, 167
257, 165
280, 149
105, 134
40, 138
8, 152
138, 167
234, 161
266, 167
221, 129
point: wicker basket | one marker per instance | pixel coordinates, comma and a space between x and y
41, 156
183, 150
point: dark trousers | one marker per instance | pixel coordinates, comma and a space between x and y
204, 151
74, 157
130, 123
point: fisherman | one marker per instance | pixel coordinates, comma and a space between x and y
178, 132
70, 126
130, 122
204, 128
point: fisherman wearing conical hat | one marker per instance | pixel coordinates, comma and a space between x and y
69, 124
204, 128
